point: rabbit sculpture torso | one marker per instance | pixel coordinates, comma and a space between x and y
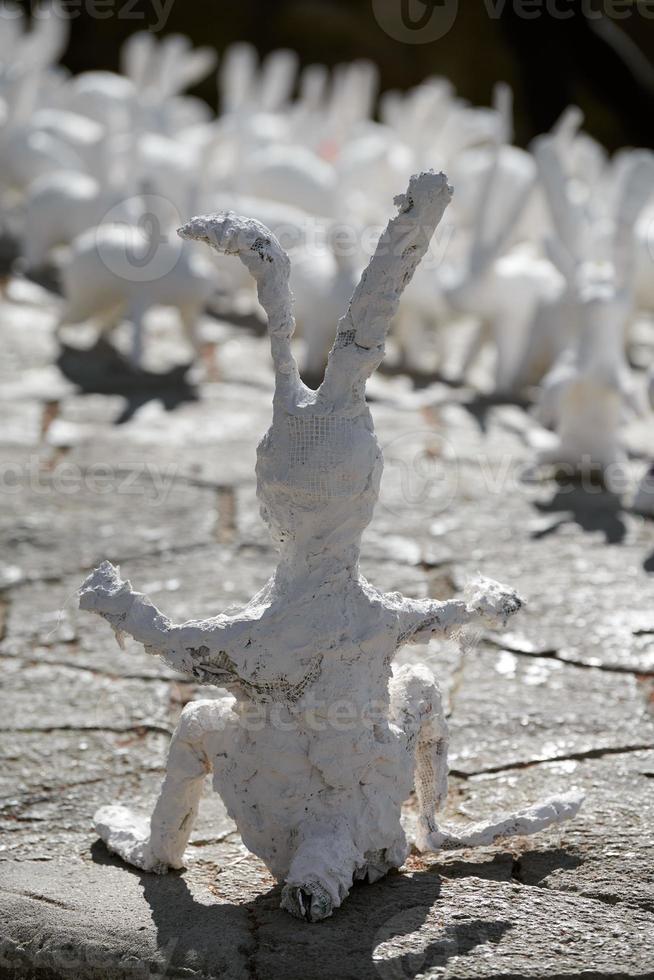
319, 741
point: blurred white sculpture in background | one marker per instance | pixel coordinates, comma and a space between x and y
590, 389
316, 797
30, 143
314, 155
121, 270
643, 500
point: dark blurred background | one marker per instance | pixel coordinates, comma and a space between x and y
597, 53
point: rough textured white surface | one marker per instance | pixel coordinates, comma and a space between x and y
320, 740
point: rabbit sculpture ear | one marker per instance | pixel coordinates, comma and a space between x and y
503, 105
635, 187
359, 345
47, 40
354, 88
179, 66
363, 87
277, 80
570, 225
13, 30
137, 57
500, 204
265, 259
567, 127
237, 78
313, 87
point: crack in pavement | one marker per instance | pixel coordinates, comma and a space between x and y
554, 654
84, 569
101, 672
46, 792
39, 898
598, 753
143, 729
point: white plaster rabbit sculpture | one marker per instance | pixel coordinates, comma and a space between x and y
509, 284
148, 95
62, 204
161, 71
40, 130
589, 391
249, 88
319, 802
503, 291
430, 123
122, 270
254, 103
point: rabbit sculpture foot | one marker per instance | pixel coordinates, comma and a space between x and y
320, 740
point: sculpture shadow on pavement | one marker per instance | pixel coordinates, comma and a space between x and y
378, 915
102, 370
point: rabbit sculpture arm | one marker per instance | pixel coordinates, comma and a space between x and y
485, 603
185, 647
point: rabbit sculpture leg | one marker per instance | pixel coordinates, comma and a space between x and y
320, 743
159, 844
318, 856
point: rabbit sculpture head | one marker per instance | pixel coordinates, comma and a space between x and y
319, 465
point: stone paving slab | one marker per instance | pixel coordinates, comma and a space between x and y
61, 522
94, 919
605, 854
510, 710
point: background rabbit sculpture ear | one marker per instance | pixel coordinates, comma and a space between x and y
567, 248
45, 42
277, 80
312, 88
180, 66
502, 197
635, 189
237, 78
137, 58
503, 105
567, 126
166, 69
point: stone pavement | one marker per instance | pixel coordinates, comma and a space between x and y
159, 477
